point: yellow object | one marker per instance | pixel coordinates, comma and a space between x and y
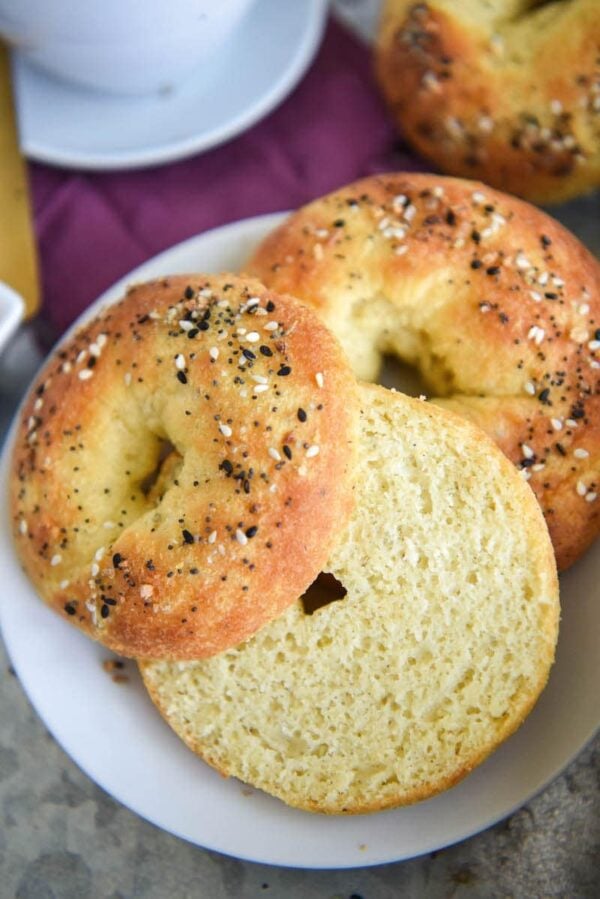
18, 263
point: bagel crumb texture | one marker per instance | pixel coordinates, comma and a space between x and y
436, 653
503, 90
178, 476
496, 304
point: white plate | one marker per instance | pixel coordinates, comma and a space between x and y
64, 125
11, 313
114, 733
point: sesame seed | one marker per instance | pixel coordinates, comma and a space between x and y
212, 537
271, 326
95, 569
109, 525
529, 387
253, 337
225, 430
253, 301
241, 537
525, 473
522, 262
581, 488
274, 454
56, 560
535, 296
594, 345
260, 379
213, 353
260, 388
536, 334
180, 362
23, 526
580, 453
583, 309
64, 584
146, 591
478, 197
85, 374
127, 379
571, 423
556, 424
185, 325
527, 451
401, 250
556, 107
312, 451
80, 357
591, 496
66, 367
320, 379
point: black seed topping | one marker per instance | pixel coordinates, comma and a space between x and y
476, 263
302, 416
544, 394
493, 270
270, 306
71, 607
450, 218
287, 451
189, 293
266, 351
248, 354
116, 560
181, 376
550, 295
252, 532
203, 325
284, 370
104, 611
339, 223
187, 536
545, 240
226, 466
192, 333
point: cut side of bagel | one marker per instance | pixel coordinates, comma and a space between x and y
435, 654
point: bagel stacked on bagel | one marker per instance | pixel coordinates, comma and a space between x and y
183, 465
496, 304
186, 466
436, 653
507, 91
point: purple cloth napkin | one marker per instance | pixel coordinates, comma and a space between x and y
92, 228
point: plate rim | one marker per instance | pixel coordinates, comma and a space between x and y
37, 150
240, 227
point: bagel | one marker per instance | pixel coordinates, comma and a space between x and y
508, 92
436, 654
495, 302
183, 465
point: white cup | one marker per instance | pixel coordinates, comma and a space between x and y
123, 46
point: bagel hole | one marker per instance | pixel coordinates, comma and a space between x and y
401, 376
165, 450
324, 590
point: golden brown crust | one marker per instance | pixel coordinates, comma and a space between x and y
495, 302
184, 556
508, 92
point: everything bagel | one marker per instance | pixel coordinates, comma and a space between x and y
182, 465
506, 91
495, 303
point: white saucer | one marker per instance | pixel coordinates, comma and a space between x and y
114, 733
68, 126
